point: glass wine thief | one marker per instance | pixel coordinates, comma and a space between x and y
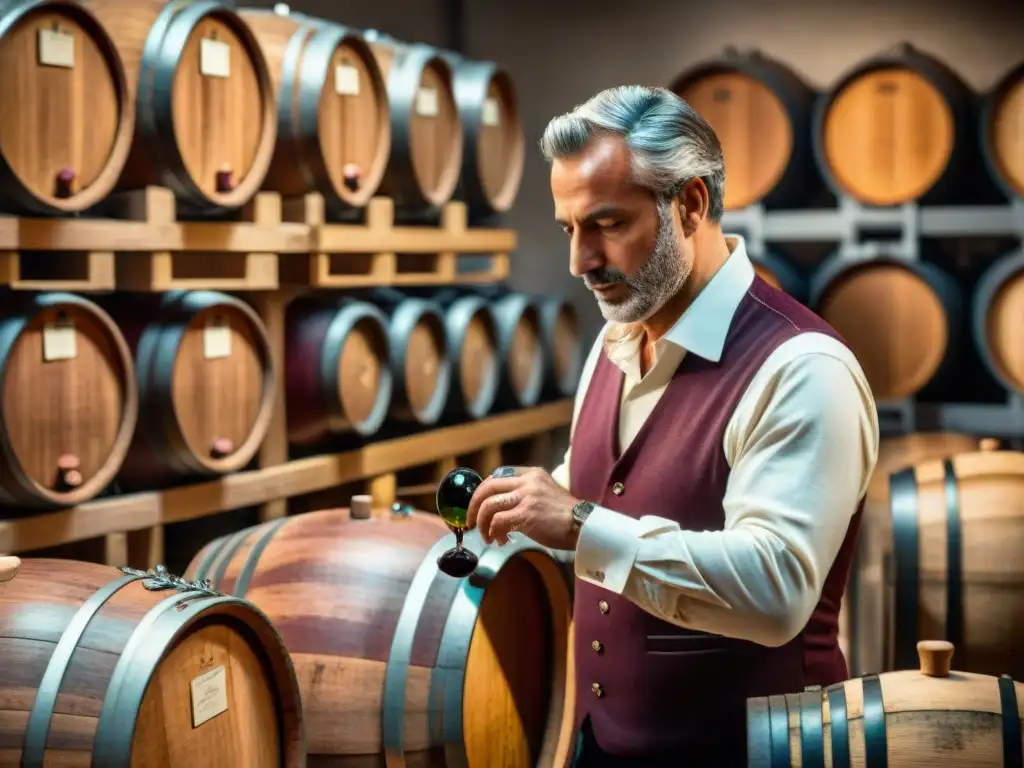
453, 495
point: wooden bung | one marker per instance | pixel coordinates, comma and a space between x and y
936, 657
361, 507
988, 444
9, 566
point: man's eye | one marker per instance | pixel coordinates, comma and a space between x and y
609, 225
567, 230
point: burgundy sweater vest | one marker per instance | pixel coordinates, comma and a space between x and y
652, 689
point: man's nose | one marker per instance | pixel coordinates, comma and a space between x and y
584, 257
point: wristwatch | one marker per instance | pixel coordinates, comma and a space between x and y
580, 512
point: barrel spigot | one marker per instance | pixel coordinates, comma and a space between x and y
352, 176
224, 181
69, 471
222, 447
65, 183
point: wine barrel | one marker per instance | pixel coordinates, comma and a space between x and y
337, 378
68, 399
861, 616
418, 355
426, 131
1002, 114
896, 128
926, 716
412, 663
761, 112
998, 304
472, 351
333, 120
900, 318
126, 668
204, 102
956, 560
560, 345
59, 69
779, 273
493, 147
206, 385
518, 322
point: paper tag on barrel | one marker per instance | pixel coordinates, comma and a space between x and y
491, 114
56, 48
59, 341
346, 80
426, 102
214, 58
216, 339
209, 696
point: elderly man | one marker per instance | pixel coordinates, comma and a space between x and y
722, 442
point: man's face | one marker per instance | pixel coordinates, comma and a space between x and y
624, 244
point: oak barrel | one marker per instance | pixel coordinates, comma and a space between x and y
761, 112
472, 348
775, 270
929, 716
998, 305
560, 345
66, 127
900, 318
861, 616
418, 355
68, 399
333, 119
426, 131
520, 349
394, 657
204, 102
206, 384
954, 565
896, 128
337, 373
121, 668
493, 146
1002, 115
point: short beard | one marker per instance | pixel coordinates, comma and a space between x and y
660, 278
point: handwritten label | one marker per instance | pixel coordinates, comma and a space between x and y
209, 696
56, 48
60, 341
216, 339
426, 102
346, 80
214, 58
491, 114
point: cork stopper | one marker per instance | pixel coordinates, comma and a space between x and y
935, 656
361, 507
9, 565
988, 444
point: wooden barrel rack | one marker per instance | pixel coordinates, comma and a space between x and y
68, 400
869, 129
118, 645
761, 111
333, 119
497, 643
900, 318
71, 78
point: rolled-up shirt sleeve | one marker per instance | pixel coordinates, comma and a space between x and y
801, 447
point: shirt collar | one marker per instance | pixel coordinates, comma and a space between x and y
703, 327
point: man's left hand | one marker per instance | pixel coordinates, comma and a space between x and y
529, 502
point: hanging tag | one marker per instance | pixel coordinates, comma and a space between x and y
56, 49
214, 58
426, 102
491, 114
60, 340
216, 339
209, 696
346, 80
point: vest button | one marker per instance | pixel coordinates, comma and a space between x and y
618, 489
596, 645
603, 606
597, 689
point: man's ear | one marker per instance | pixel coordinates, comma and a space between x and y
693, 200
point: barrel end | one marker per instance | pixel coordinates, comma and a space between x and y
936, 657
9, 567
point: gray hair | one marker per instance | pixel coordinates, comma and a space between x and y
669, 142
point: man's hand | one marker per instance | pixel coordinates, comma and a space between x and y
525, 500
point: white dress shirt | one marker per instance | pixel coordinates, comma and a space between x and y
801, 446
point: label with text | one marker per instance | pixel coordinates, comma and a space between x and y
209, 696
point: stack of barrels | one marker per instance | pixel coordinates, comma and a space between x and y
899, 127
152, 390
217, 103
